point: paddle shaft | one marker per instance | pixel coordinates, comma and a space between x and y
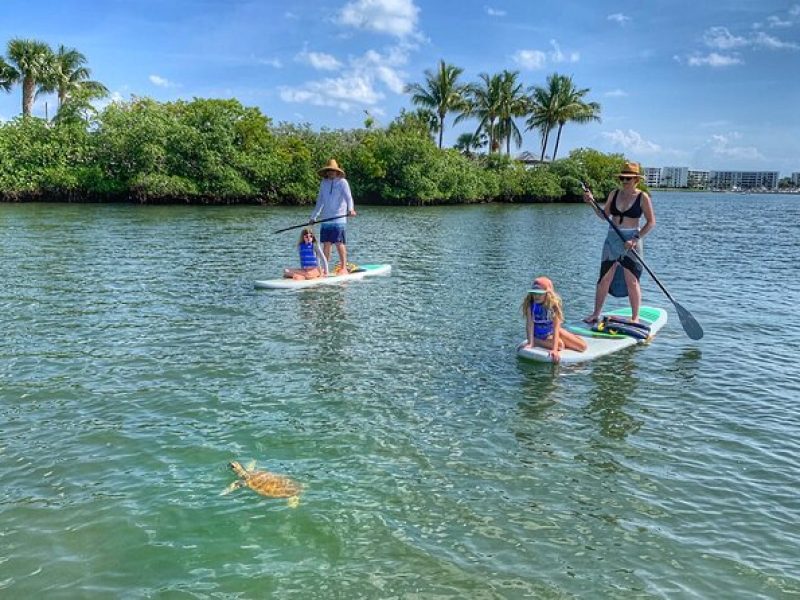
309, 223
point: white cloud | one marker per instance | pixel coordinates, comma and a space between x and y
722, 39
774, 21
631, 141
714, 60
773, 43
341, 92
530, 59
538, 59
319, 60
722, 145
358, 86
270, 62
393, 17
619, 18
558, 57
617, 93
160, 81
495, 12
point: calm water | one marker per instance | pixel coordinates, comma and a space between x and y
137, 360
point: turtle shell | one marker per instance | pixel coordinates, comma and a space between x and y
272, 485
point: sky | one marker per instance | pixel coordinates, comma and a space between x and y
703, 84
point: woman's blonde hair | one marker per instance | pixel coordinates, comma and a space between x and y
552, 302
304, 231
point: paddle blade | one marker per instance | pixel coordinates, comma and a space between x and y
689, 323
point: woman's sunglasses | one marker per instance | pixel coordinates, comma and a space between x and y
625, 178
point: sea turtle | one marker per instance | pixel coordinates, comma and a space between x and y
265, 483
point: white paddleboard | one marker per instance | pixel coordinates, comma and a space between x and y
599, 344
295, 284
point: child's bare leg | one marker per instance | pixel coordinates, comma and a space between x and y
572, 341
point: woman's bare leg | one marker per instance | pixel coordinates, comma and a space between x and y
601, 293
634, 294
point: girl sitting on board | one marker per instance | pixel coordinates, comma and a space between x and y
543, 318
312, 259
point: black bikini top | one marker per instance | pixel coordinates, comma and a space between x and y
634, 212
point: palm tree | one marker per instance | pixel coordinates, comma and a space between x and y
485, 105
544, 108
31, 64
469, 142
556, 104
571, 107
7, 75
70, 74
440, 93
513, 103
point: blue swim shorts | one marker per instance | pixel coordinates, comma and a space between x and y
332, 233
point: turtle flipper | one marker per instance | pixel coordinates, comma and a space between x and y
234, 486
251, 465
294, 502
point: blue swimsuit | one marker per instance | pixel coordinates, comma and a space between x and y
542, 323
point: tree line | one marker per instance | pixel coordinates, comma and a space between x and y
219, 151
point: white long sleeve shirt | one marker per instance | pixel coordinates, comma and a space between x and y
334, 199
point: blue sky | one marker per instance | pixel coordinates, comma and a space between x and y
708, 85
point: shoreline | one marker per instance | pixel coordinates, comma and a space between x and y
208, 201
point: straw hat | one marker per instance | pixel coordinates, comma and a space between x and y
631, 169
331, 166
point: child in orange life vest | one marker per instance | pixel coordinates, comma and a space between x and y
543, 318
312, 259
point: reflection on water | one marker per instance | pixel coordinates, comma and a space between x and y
615, 382
687, 365
540, 388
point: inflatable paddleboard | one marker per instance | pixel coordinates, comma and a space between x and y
295, 284
599, 343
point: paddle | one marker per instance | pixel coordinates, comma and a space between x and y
689, 323
309, 223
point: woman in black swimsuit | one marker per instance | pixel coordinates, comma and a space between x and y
625, 208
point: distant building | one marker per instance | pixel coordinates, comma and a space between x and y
530, 160
674, 177
743, 180
698, 179
796, 178
652, 176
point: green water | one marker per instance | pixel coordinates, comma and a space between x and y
137, 360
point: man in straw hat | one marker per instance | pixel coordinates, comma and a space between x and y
619, 270
333, 200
